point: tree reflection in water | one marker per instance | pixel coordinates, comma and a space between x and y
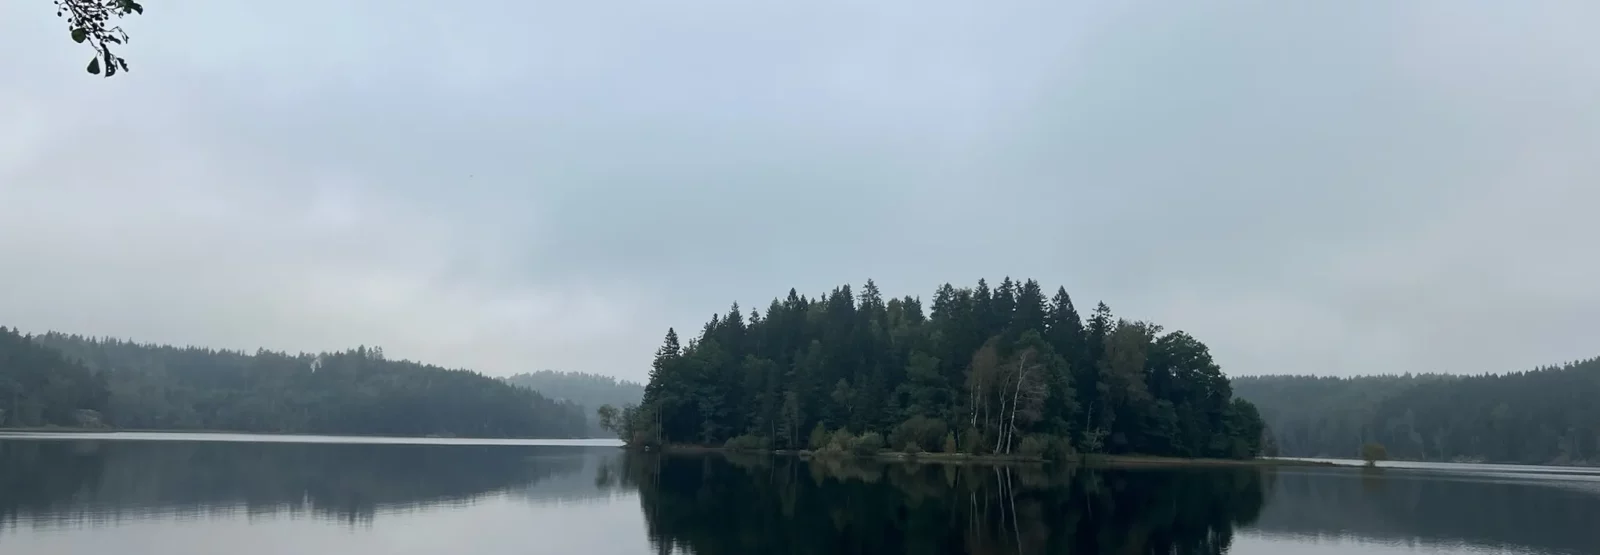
725, 505
76, 482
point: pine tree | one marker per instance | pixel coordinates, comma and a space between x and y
1064, 330
1030, 311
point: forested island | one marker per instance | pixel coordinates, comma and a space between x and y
1002, 371
1543, 416
70, 381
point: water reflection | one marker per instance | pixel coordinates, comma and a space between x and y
1532, 510
716, 506
246, 498
100, 482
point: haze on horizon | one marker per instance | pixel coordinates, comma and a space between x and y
1345, 188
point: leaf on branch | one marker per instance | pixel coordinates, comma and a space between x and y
90, 22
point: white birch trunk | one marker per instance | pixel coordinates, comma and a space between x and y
1022, 373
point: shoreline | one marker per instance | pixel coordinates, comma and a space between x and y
1153, 461
1126, 461
72, 430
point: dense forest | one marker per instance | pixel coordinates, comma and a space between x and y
40, 387
1542, 416
68, 380
589, 391
987, 371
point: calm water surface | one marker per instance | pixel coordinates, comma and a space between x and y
181, 494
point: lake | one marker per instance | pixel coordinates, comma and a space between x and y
181, 494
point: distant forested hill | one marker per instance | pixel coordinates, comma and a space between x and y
46, 380
39, 387
590, 391
1311, 416
1548, 415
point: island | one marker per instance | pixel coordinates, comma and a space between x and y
987, 373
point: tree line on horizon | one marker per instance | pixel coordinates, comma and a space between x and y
61, 380
588, 391
39, 386
1543, 416
1001, 370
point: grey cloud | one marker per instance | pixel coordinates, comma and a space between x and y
1350, 188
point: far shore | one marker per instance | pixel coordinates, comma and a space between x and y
1124, 461
1154, 461
77, 430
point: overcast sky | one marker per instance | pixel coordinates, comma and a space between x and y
1308, 187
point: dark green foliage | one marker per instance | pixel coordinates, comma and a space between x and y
39, 387
1373, 452
352, 392
747, 442
1544, 416
91, 22
868, 444
988, 368
926, 433
1057, 448
1242, 428
818, 438
1033, 447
